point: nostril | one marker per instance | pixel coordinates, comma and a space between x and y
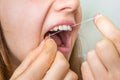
62, 7
67, 5
66, 9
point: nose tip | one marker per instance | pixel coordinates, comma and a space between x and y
67, 5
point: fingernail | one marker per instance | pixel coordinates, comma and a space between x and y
97, 17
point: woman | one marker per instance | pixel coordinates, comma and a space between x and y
26, 44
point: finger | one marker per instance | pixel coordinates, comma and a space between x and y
28, 60
108, 30
59, 68
108, 54
86, 72
42, 63
71, 76
98, 69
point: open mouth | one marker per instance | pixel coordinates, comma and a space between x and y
63, 38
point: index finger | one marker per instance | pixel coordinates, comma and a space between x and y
38, 62
108, 29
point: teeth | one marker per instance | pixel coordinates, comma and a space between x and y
65, 27
62, 28
55, 29
69, 28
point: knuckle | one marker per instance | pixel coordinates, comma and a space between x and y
102, 45
115, 37
90, 55
116, 40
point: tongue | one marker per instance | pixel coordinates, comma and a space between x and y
57, 40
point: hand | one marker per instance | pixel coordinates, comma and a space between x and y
103, 63
44, 63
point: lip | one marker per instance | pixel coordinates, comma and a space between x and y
66, 49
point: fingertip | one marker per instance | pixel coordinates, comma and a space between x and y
97, 17
86, 71
102, 21
83, 65
90, 55
51, 43
106, 27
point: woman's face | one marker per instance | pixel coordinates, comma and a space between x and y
26, 23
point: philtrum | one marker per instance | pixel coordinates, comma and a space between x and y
85, 21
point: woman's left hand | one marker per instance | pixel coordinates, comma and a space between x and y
103, 63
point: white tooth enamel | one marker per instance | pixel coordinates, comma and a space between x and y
51, 30
60, 28
64, 27
55, 29
69, 28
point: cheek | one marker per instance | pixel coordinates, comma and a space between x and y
22, 26
74, 35
22, 33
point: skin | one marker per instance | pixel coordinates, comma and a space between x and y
24, 23
103, 63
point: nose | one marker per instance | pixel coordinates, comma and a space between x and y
67, 5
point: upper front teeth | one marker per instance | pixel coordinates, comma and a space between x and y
62, 28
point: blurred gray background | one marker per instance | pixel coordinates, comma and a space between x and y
88, 33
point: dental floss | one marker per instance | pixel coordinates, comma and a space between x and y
83, 22
54, 33
90, 19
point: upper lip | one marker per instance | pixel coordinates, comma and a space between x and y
63, 22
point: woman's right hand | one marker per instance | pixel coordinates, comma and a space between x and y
44, 63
